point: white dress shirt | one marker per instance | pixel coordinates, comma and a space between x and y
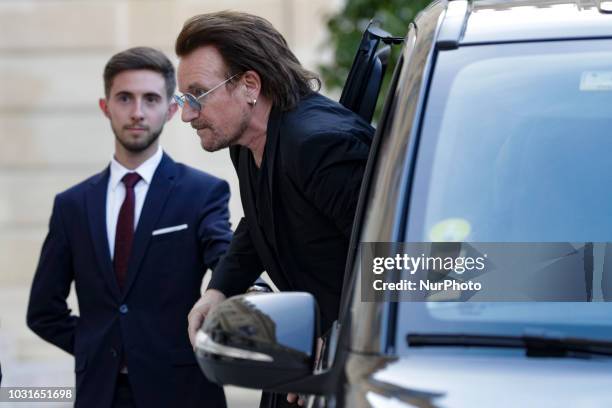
115, 193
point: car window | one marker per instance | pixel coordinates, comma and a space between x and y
516, 143
515, 147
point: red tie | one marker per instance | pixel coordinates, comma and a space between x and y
125, 229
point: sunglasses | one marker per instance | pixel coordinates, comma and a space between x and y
198, 103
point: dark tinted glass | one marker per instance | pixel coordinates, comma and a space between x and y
516, 146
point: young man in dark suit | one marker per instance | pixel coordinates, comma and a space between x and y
136, 240
299, 156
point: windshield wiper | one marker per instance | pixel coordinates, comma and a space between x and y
534, 345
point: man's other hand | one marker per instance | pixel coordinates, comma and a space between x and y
209, 299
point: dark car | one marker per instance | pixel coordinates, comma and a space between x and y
497, 128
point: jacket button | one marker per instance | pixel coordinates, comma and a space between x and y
123, 309
113, 352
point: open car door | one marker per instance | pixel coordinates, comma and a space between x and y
360, 92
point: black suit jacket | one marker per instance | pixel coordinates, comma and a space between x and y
313, 165
146, 323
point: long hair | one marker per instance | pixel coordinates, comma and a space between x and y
247, 42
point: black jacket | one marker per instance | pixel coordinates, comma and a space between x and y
313, 165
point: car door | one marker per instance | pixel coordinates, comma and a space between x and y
362, 87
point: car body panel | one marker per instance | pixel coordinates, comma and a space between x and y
487, 378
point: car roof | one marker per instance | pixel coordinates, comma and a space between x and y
493, 21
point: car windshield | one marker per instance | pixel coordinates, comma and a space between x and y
516, 146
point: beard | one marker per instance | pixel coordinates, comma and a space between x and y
217, 139
137, 145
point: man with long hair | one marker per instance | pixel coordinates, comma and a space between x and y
299, 157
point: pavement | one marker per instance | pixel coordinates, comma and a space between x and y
28, 361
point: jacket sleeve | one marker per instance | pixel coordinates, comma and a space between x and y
48, 313
240, 266
329, 169
214, 229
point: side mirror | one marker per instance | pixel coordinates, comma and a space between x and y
259, 340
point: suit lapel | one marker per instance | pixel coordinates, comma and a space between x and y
159, 191
270, 163
96, 214
272, 139
257, 237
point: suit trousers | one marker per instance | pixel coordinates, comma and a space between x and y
123, 393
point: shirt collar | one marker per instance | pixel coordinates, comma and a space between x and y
145, 170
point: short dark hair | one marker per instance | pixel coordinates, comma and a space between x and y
248, 42
140, 58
